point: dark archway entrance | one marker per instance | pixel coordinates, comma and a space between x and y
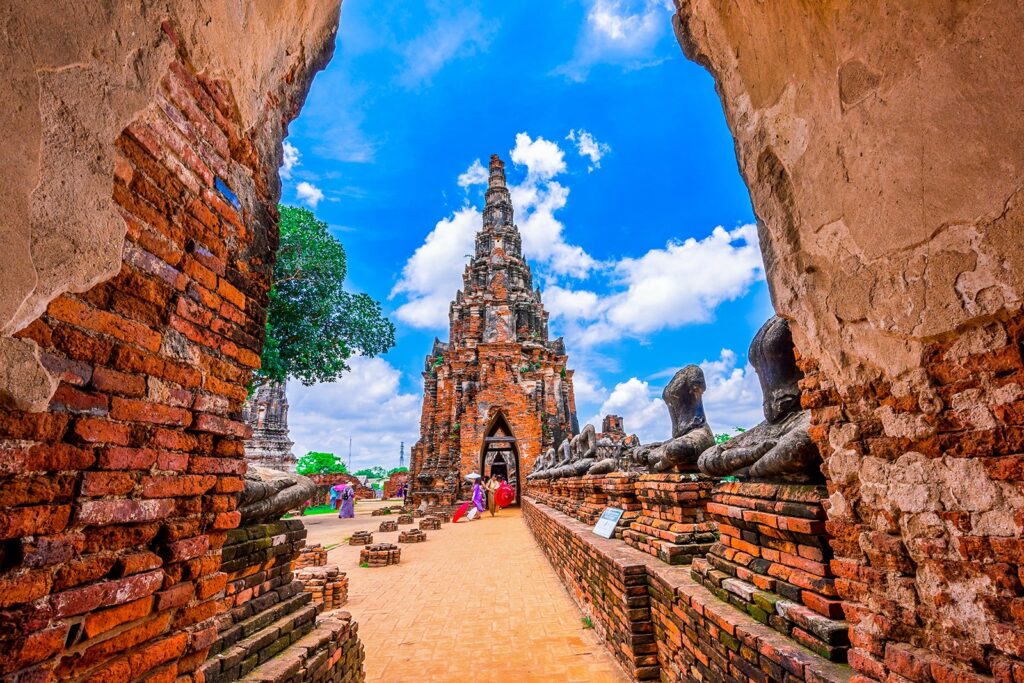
499, 453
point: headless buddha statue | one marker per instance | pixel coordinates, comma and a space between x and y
778, 449
690, 432
583, 448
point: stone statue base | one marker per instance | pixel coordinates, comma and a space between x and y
586, 497
772, 561
673, 524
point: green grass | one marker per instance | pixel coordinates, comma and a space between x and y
364, 565
587, 622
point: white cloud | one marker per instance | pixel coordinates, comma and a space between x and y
621, 32
309, 193
476, 174
448, 39
733, 397
433, 274
543, 159
366, 404
665, 288
290, 160
642, 410
588, 146
536, 200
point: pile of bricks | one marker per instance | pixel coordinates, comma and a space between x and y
382, 554
388, 525
310, 556
772, 561
327, 585
430, 523
360, 538
660, 623
672, 524
382, 512
412, 536
405, 519
442, 514
418, 513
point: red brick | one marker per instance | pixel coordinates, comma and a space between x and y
219, 425
37, 647
99, 430
127, 458
146, 411
19, 586
32, 520
107, 483
82, 315
177, 485
115, 382
102, 621
135, 563
122, 511
188, 549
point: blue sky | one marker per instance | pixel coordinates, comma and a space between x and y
633, 214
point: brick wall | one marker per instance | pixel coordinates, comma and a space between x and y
115, 502
927, 510
660, 623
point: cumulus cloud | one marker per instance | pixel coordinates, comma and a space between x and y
621, 32
588, 146
642, 410
476, 174
309, 194
289, 160
366, 404
536, 200
433, 274
733, 397
667, 288
449, 38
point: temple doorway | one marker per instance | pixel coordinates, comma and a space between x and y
499, 454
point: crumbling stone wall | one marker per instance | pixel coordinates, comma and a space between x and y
138, 224
884, 157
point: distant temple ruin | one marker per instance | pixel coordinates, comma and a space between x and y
498, 394
267, 414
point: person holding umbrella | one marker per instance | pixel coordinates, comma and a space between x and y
492, 487
348, 503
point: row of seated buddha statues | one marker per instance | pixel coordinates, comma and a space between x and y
746, 513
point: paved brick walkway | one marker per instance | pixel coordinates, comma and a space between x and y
476, 602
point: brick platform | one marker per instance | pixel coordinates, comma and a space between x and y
772, 560
672, 524
585, 498
360, 538
412, 536
382, 554
389, 525
418, 514
430, 523
327, 585
405, 519
661, 624
269, 631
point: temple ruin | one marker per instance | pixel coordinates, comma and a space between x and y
882, 145
499, 392
266, 414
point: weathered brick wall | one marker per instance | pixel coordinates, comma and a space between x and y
927, 510
115, 502
658, 621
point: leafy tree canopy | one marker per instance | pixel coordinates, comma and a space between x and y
320, 463
372, 472
313, 324
397, 469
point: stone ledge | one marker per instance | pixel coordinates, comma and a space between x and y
673, 591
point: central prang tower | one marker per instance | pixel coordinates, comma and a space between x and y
498, 394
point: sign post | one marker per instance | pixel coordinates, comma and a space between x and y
605, 526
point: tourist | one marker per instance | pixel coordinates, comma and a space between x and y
492, 487
478, 494
348, 503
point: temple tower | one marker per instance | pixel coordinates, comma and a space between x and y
266, 413
498, 394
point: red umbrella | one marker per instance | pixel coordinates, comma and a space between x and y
460, 512
504, 495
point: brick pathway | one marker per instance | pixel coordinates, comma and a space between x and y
477, 602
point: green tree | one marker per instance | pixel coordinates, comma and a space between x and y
320, 463
397, 469
313, 324
372, 472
